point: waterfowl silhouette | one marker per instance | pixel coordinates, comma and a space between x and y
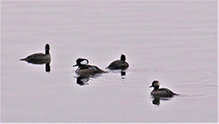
85, 69
162, 92
39, 58
119, 64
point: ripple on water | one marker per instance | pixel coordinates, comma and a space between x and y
186, 82
190, 82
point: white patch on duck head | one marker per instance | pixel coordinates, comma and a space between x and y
84, 62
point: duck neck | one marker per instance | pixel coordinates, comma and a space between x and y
122, 58
156, 87
47, 52
84, 66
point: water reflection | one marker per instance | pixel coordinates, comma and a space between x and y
121, 72
47, 66
40, 58
82, 80
156, 99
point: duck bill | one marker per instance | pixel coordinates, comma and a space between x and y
150, 86
75, 65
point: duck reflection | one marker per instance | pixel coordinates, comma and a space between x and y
82, 80
47, 67
121, 72
156, 99
40, 58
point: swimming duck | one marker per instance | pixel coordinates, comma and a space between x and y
119, 64
39, 58
85, 69
162, 92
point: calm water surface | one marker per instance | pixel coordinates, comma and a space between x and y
173, 42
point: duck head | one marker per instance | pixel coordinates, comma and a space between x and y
123, 58
155, 84
81, 62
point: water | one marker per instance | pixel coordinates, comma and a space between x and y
173, 42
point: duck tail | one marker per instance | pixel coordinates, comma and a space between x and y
105, 71
176, 94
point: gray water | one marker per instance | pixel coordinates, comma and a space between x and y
173, 42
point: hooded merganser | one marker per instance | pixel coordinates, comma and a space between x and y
162, 92
85, 69
39, 58
119, 64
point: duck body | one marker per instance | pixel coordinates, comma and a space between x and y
86, 70
119, 64
89, 70
39, 58
162, 92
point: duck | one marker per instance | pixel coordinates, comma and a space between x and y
39, 58
119, 64
85, 69
161, 92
